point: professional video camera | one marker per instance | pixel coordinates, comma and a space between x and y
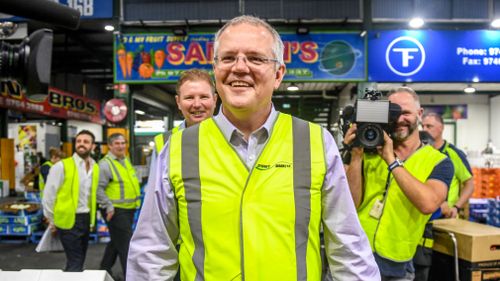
373, 116
28, 62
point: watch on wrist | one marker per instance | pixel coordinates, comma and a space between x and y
395, 164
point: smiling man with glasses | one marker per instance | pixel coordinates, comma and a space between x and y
245, 193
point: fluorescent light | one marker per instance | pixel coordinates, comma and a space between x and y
292, 87
302, 30
495, 23
416, 22
140, 112
469, 89
109, 27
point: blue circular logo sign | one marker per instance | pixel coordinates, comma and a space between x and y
405, 56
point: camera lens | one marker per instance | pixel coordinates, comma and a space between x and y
370, 134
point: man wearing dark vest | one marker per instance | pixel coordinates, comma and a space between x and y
55, 155
398, 188
119, 195
69, 200
245, 193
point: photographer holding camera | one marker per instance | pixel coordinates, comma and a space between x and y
396, 186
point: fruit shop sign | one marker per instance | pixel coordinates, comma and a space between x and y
160, 58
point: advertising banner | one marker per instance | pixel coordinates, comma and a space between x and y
434, 56
450, 111
57, 104
89, 9
160, 58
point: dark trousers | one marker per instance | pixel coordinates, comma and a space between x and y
75, 242
120, 232
423, 257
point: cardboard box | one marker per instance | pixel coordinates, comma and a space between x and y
476, 242
443, 269
25, 220
19, 229
478, 251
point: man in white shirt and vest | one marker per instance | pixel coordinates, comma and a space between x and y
246, 192
119, 194
69, 200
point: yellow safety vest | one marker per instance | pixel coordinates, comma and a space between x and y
41, 181
396, 234
124, 190
66, 201
258, 224
461, 174
160, 139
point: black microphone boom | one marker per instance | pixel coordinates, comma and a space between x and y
42, 10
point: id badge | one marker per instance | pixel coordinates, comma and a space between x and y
376, 211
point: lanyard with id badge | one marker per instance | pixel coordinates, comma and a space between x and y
378, 206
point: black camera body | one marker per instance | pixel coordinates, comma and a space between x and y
373, 116
28, 62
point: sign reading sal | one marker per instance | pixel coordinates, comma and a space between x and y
434, 56
146, 58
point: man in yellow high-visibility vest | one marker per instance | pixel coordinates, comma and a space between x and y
119, 195
397, 188
195, 98
69, 200
245, 193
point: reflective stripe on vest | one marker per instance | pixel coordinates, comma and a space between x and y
426, 242
258, 224
396, 234
161, 139
41, 181
124, 189
68, 194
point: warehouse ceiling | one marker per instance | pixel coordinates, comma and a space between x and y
88, 51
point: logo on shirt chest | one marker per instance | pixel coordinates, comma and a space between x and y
280, 164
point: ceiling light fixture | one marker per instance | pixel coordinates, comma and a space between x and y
140, 112
292, 87
495, 23
179, 31
302, 30
109, 27
469, 89
416, 23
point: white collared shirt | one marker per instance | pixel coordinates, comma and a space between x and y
55, 179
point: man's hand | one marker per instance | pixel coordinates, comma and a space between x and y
53, 229
109, 215
387, 151
350, 135
448, 212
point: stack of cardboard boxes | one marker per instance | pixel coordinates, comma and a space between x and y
478, 251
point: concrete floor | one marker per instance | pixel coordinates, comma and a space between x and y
17, 256
14, 257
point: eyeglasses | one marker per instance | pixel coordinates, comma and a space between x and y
226, 62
